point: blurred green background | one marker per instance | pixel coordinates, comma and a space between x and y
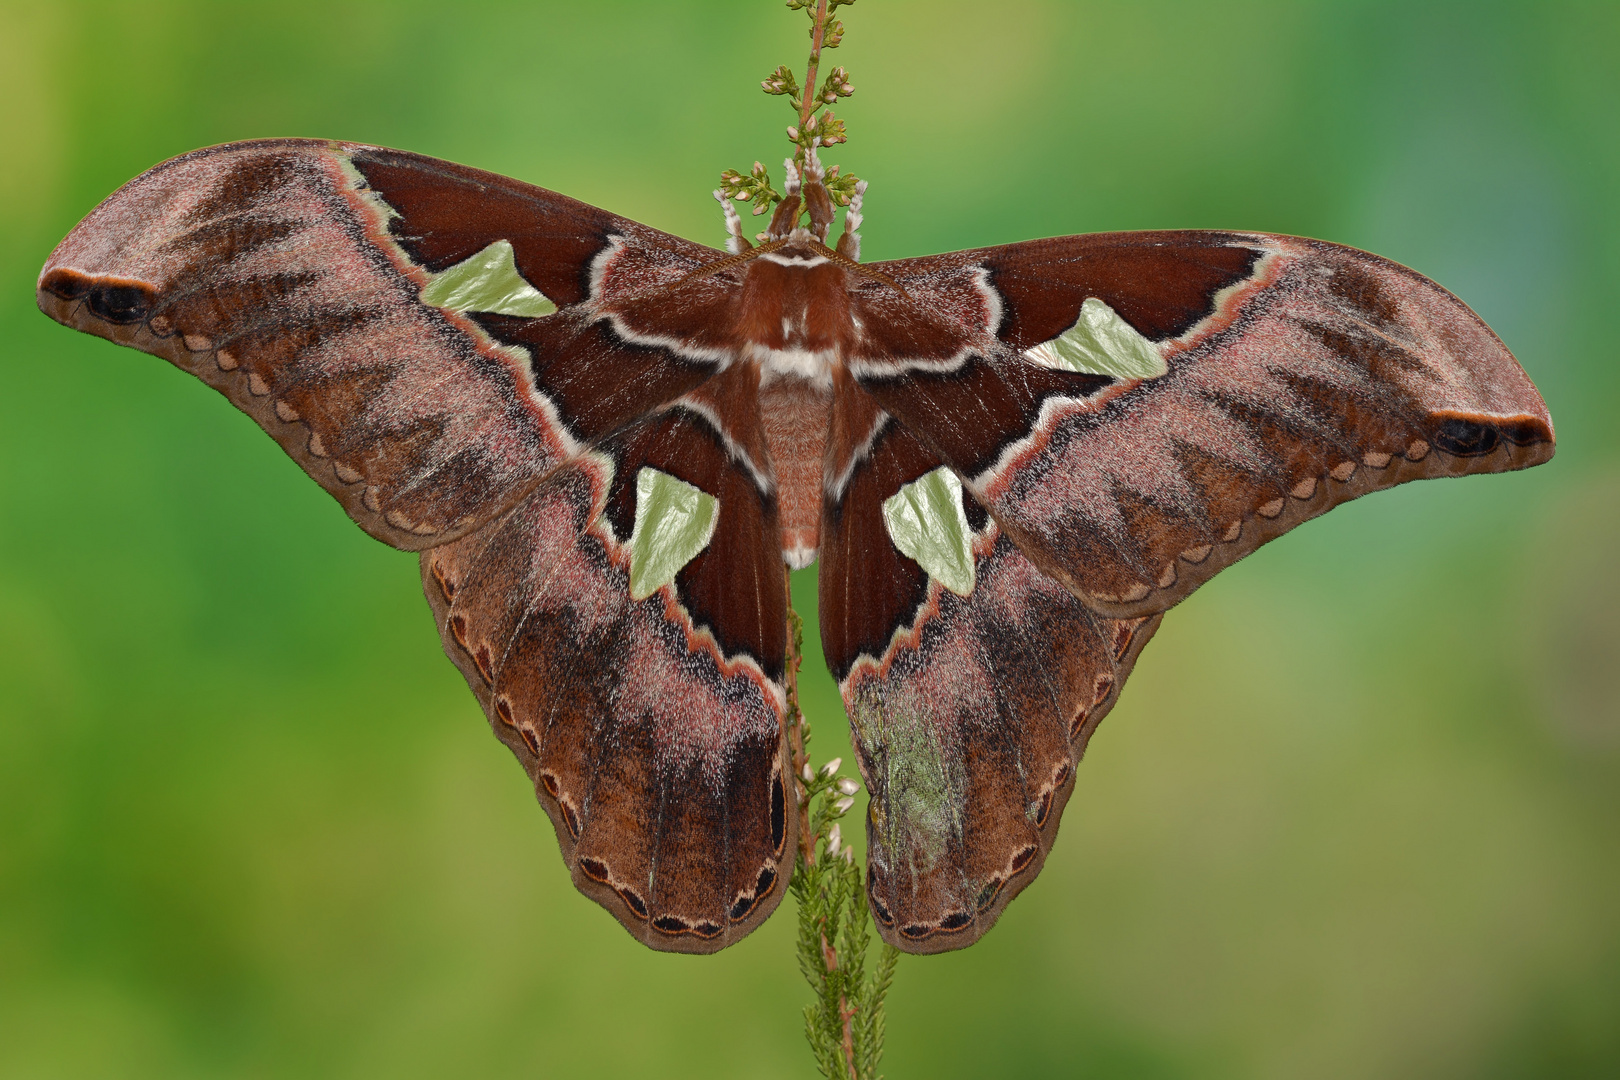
1357, 815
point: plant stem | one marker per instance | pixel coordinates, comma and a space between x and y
801, 758
845, 1025
807, 98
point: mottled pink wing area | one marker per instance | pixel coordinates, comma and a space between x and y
969, 729
1300, 374
969, 713
651, 729
288, 274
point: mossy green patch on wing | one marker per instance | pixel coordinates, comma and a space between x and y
917, 789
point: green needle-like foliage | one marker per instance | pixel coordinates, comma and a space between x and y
844, 1025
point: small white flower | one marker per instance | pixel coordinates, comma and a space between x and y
808, 775
831, 767
842, 805
834, 839
847, 786
849, 855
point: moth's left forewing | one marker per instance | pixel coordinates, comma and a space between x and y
417, 335
1295, 375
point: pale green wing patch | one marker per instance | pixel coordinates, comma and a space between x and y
488, 281
926, 522
1101, 343
674, 521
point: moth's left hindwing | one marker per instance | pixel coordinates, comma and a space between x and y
439, 347
648, 713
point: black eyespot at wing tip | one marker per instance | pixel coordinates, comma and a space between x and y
122, 303
1463, 437
68, 285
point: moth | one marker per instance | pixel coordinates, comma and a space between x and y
608, 444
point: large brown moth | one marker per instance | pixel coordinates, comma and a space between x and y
608, 442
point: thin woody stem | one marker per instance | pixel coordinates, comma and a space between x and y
846, 1011
808, 99
849, 1037
807, 842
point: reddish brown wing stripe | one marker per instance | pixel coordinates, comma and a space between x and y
660, 766
972, 414
868, 588
599, 382
576, 254
969, 729
1162, 283
449, 212
733, 588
